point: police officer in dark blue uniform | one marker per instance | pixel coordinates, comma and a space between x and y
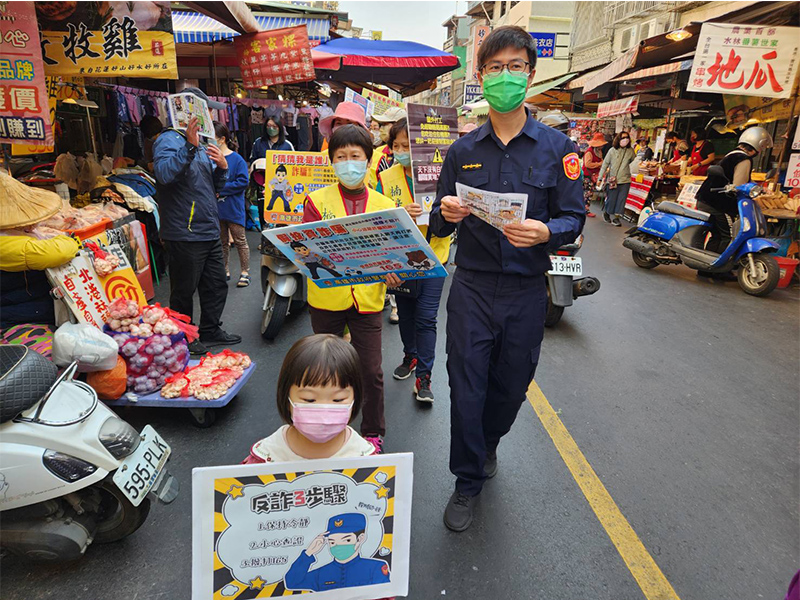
498, 298
345, 536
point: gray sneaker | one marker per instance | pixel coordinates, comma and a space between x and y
458, 514
490, 466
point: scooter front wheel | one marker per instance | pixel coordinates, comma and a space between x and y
760, 278
273, 317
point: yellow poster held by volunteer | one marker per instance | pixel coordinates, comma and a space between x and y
108, 39
288, 178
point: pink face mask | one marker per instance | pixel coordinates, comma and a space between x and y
320, 422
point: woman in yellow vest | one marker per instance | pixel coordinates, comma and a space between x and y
418, 313
356, 307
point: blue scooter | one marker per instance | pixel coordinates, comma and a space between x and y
674, 234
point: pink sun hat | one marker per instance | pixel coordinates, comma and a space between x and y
347, 111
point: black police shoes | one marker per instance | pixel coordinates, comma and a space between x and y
458, 514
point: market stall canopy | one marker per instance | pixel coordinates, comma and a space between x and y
541, 93
235, 15
403, 66
193, 27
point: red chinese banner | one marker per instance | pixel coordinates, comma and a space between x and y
23, 97
622, 106
275, 57
748, 60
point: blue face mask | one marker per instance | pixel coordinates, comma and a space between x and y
351, 172
404, 158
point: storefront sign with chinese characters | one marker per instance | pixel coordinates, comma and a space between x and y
381, 103
793, 172
545, 44
108, 39
24, 117
472, 91
432, 129
81, 289
480, 35
748, 60
275, 57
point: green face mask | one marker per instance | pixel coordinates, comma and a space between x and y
343, 551
272, 131
505, 92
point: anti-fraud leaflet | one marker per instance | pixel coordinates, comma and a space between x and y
182, 107
498, 210
358, 249
337, 529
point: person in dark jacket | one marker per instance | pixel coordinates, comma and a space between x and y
232, 205
189, 176
274, 138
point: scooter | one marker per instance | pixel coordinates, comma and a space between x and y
564, 281
674, 234
283, 286
71, 471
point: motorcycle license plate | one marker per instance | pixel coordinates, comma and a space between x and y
139, 471
566, 265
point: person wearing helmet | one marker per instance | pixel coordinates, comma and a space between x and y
737, 166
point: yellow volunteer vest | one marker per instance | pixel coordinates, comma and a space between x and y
377, 153
368, 298
395, 186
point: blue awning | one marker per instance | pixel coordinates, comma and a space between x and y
196, 27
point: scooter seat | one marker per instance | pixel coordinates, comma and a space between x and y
674, 208
25, 377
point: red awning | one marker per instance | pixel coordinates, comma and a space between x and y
622, 106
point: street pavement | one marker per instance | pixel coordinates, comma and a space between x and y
681, 392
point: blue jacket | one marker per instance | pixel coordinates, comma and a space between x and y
262, 144
187, 184
231, 198
357, 572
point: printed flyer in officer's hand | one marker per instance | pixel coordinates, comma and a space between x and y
338, 529
358, 249
498, 210
182, 107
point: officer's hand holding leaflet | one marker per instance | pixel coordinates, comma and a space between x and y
526, 234
191, 132
452, 210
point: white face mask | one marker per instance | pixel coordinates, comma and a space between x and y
624, 142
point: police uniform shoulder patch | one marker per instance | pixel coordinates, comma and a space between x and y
572, 165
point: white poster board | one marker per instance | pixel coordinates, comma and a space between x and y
796, 141
688, 194
748, 60
793, 171
182, 107
81, 290
271, 528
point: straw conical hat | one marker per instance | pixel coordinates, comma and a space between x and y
22, 205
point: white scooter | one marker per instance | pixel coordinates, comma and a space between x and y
283, 286
71, 471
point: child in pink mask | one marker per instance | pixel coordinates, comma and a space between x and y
319, 393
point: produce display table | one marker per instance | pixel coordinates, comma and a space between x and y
203, 412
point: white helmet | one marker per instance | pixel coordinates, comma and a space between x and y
757, 138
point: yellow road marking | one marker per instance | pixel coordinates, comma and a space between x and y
641, 565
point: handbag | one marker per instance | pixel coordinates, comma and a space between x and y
612, 183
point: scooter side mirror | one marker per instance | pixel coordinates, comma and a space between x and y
716, 172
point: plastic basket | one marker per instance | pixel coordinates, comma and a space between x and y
787, 267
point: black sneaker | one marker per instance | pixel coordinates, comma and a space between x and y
458, 514
616, 222
197, 348
490, 466
422, 389
405, 370
220, 338
606, 217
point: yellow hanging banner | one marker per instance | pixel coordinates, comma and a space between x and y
108, 39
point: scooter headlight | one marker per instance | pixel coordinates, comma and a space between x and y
119, 438
67, 467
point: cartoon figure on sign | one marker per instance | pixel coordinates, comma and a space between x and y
281, 188
419, 260
312, 260
345, 535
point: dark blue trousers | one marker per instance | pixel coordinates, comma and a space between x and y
418, 322
495, 326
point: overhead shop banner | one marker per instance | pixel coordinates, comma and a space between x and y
746, 110
380, 102
480, 35
545, 44
24, 112
275, 57
289, 177
431, 131
623, 106
108, 39
746, 60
